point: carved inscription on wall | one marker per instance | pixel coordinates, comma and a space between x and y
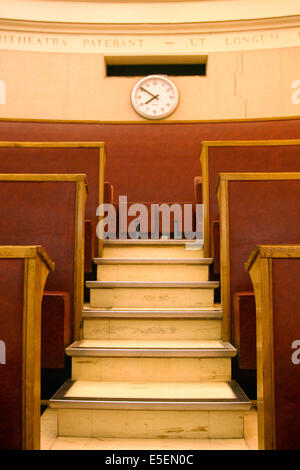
150, 43
113, 43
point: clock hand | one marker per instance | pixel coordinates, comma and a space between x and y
147, 91
154, 97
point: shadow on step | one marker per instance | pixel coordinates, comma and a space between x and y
53, 379
246, 378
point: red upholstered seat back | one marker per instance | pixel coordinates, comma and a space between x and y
153, 162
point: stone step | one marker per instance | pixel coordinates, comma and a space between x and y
150, 348
209, 313
152, 269
185, 324
125, 444
120, 294
151, 361
131, 410
151, 328
153, 248
50, 441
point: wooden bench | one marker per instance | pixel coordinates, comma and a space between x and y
239, 156
254, 208
23, 273
169, 160
49, 209
64, 157
275, 274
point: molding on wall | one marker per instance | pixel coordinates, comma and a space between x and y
150, 28
202, 121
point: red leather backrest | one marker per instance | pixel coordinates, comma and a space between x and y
108, 193
250, 160
260, 212
11, 332
198, 189
150, 162
244, 329
286, 325
42, 213
56, 332
64, 160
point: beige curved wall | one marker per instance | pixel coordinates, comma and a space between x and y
146, 11
57, 70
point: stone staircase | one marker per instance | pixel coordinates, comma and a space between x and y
152, 363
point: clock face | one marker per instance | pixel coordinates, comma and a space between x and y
154, 97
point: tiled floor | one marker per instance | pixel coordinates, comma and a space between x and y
49, 441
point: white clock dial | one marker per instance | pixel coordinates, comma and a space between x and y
154, 97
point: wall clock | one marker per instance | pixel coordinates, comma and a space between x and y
154, 97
